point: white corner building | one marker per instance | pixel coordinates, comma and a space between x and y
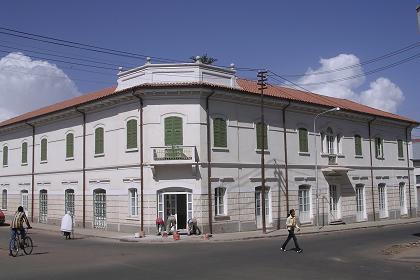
185, 140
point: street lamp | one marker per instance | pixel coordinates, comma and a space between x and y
316, 161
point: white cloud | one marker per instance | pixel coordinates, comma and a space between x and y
382, 94
27, 84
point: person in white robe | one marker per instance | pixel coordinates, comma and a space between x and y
67, 225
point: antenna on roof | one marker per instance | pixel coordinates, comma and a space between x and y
148, 60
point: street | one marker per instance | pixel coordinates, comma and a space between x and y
354, 254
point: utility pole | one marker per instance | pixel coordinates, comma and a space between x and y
262, 78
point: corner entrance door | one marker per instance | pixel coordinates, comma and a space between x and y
335, 213
176, 205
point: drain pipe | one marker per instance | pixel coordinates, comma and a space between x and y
33, 171
371, 167
84, 166
286, 167
408, 167
209, 164
141, 163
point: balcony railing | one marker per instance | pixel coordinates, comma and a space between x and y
174, 153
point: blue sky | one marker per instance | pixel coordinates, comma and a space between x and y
287, 37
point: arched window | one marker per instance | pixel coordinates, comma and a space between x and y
131, 134
383, 204
360, 203
24, 153
303, 140
403, 204
260, 132
220, 201
69, 145
99, 208
357, 145
99, 141
219, 133
4, 199
133, 204
44, 153
5, 156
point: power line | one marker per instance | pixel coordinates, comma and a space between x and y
382, 57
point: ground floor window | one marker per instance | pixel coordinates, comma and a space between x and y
383, 210
24, 202
43, 206
133, 202
360, 203
304, 204
4, 200
69, 201
403, 206
99, 208
219, 203
258, 206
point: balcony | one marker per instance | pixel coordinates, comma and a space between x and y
173, 155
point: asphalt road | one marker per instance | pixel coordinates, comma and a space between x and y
341, 255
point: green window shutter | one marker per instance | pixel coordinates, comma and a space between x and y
303, 140
358, 145
99, 140
43, 149
24, 152
400, 149
259, 136
219, 133
131, 134
69, 145
173, 131
5, 155
376, 147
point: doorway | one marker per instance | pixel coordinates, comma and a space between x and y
258, 206
177, 204
335, 207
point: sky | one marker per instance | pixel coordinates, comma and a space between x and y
367, 51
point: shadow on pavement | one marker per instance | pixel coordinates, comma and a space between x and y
417, 234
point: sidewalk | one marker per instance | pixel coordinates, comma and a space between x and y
221, 237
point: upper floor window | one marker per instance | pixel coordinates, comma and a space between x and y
219, 203
339, 147
132, 134
417, 179
260, 136
357, 145
400, 148
173, 131
24, 153
330, 141
303, 140
44, 144
70, 145
5, 156
379, 148
219, 133
99, 141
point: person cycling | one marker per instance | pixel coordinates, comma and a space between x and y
17, 224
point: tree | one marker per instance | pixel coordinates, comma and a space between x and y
205, 59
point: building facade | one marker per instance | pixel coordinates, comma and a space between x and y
185, 140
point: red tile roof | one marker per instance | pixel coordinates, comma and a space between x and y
246, 86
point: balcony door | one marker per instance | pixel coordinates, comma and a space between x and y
173, 131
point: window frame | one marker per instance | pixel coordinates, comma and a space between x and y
258, 132
220, 137
379, 147
358, 144
400, 149
129, 137
220, 200
68, 157
303, 132
5, 155
4, 199
44, 150
97, 151
132, 207
24, 144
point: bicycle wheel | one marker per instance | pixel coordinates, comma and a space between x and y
15, 247
27, 245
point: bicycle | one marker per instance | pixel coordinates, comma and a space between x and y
26, 244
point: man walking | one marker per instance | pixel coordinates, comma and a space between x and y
291, 225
